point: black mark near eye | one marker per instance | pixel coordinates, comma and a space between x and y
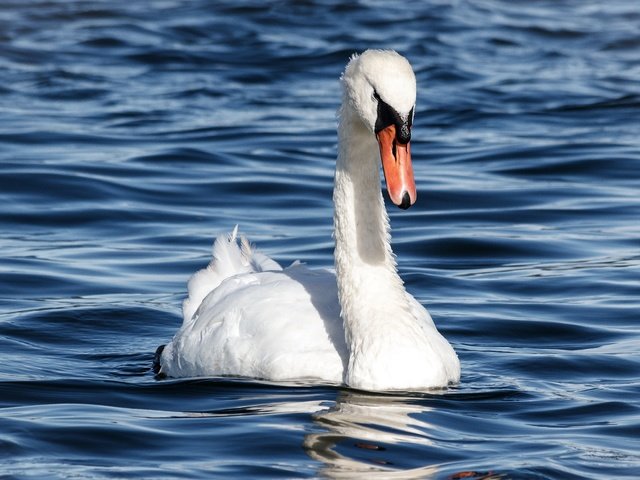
388, 116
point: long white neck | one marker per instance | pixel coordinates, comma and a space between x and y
360, 218
371, 293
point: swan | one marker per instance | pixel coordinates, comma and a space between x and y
247, 316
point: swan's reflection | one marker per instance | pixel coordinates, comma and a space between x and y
366, 435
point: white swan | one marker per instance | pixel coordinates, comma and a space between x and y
246, 316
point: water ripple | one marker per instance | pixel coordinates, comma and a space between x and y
133, 132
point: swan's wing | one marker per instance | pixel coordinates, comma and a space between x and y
232, 255
280, 325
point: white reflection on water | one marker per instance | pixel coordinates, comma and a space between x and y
360, 430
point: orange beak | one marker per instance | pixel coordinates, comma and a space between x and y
398, 172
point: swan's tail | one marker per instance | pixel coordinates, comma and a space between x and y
232, 255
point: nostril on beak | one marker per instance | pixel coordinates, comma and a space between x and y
403, 134
406, 201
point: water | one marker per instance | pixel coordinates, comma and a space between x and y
131, 133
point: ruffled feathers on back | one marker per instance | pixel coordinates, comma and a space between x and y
232, 255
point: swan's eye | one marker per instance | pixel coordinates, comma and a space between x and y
375, 96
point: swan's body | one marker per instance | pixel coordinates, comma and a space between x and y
246, 316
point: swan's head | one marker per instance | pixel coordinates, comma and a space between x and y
380, 88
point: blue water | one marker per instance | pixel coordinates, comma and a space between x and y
131, 133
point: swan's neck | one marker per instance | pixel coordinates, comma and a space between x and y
360, 219
371, 293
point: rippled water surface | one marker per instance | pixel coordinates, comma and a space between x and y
133, 132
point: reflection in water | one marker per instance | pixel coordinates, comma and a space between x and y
381, 436
363, 432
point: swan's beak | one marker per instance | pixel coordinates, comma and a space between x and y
398, 172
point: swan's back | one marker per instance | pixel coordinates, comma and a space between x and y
232, 255
246, 316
